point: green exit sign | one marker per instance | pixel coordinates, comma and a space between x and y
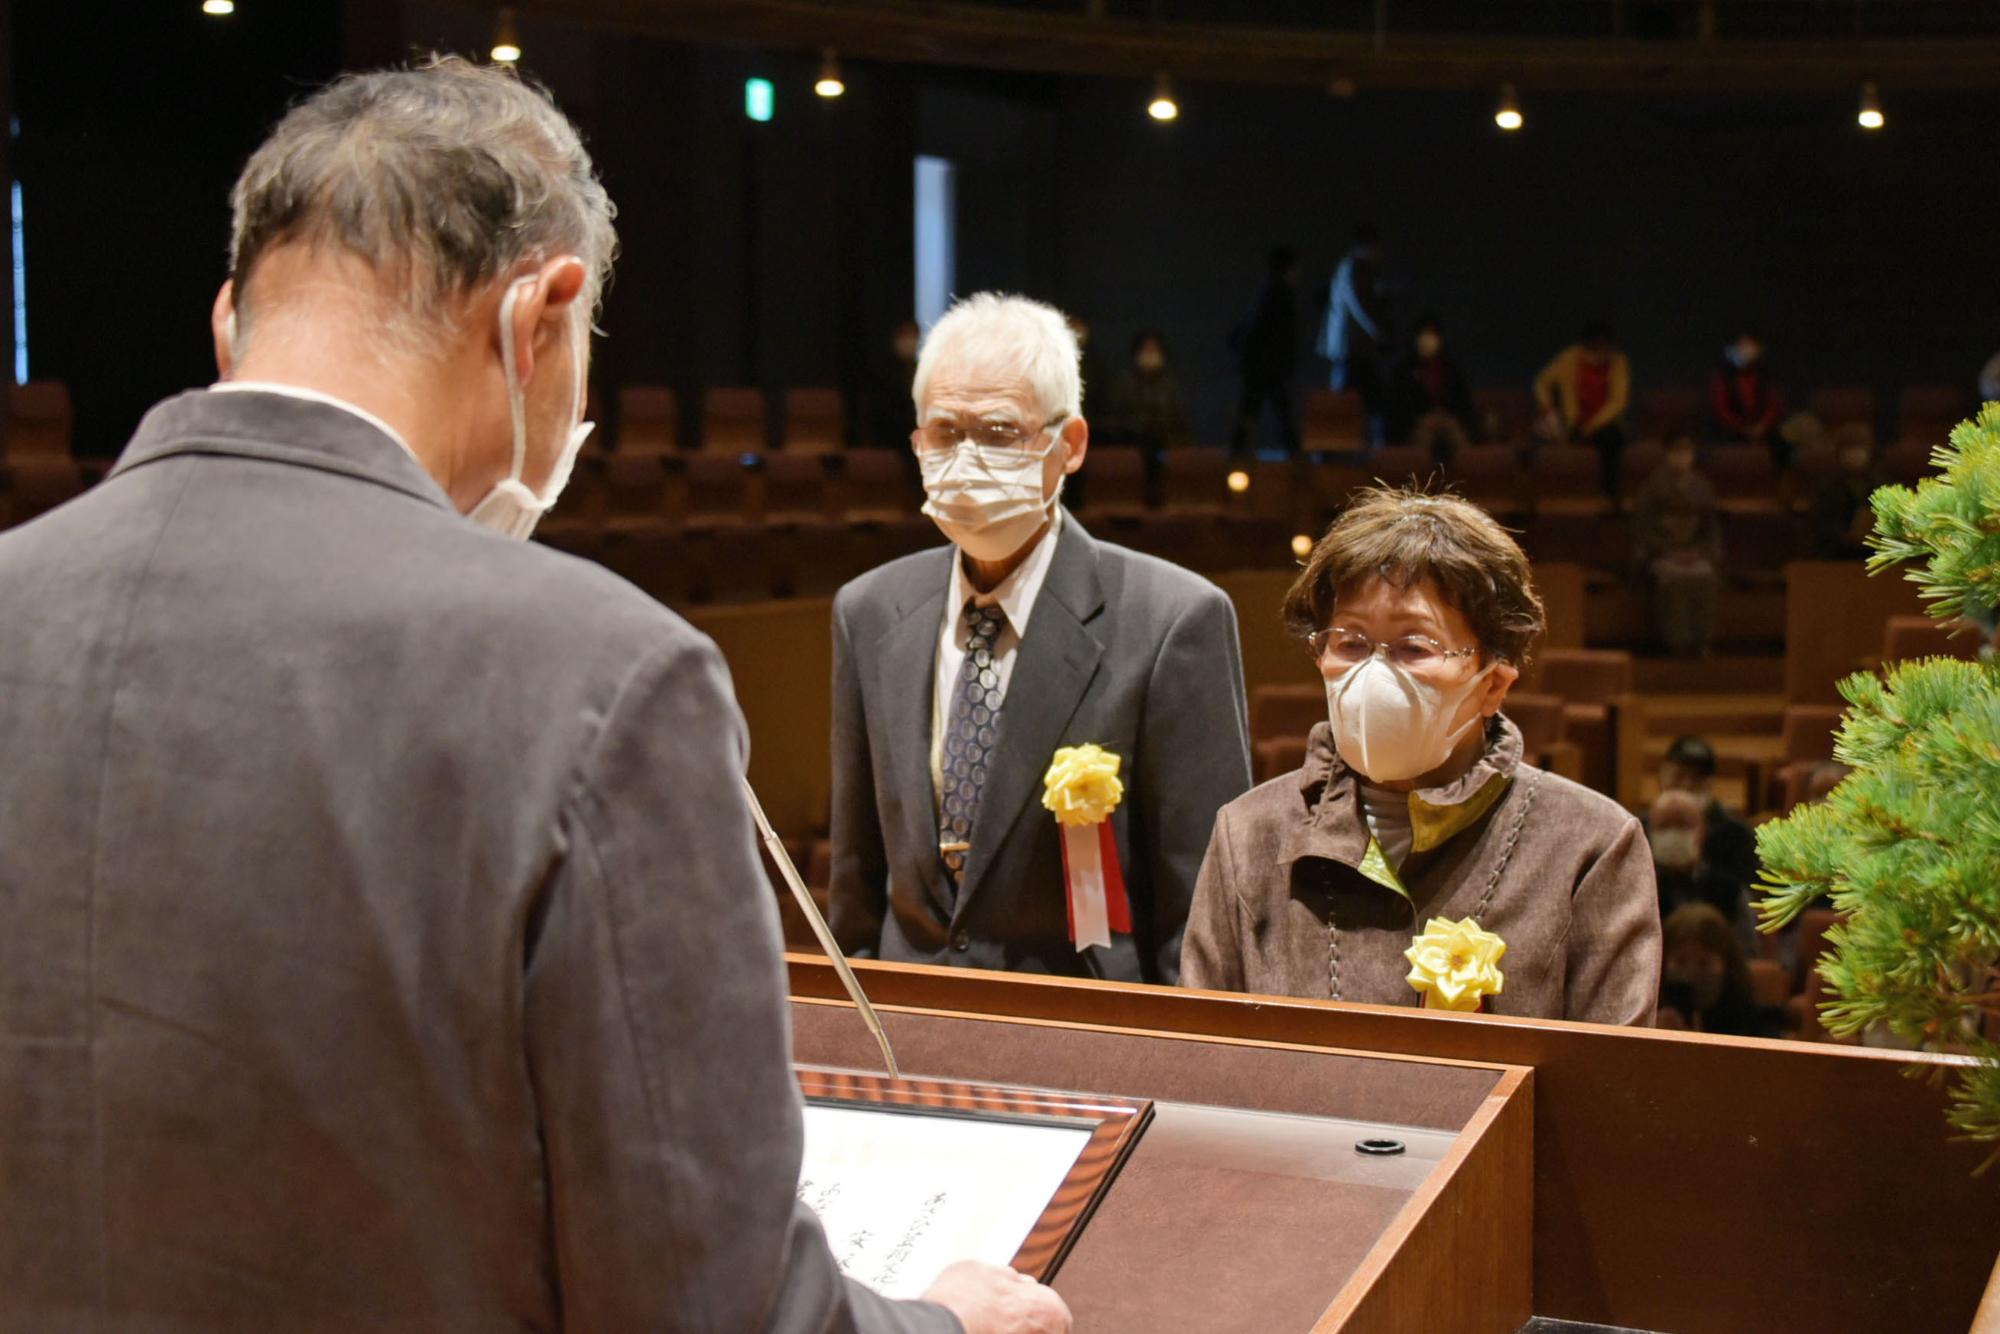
758, 99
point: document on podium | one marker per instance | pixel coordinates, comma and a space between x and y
908, 1176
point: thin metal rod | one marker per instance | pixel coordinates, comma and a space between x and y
820, 929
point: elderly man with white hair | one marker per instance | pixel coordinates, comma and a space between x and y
383, 940
969, 679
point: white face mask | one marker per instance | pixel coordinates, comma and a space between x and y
988, 502
1391, 727
510, 508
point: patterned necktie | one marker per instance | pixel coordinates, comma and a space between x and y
972, 727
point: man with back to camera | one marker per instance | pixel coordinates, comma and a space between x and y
383, 940
960, 671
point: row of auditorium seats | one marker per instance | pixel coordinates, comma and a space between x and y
648, 419
755, 562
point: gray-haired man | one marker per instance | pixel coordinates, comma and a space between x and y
378, 948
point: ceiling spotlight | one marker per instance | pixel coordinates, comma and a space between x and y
1163, 106
1508, 114
218, 8
1302, 545
1239, 481
1870, 115
506, 38
829, 83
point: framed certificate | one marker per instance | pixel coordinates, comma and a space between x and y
909, 1175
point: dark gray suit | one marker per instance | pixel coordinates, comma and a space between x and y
382, 941
1130, 652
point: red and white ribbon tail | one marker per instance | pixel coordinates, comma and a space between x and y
1083, 868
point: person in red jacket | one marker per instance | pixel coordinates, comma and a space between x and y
1748, 403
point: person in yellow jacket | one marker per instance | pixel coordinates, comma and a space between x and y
1582, 396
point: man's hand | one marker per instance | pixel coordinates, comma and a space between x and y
990, 1300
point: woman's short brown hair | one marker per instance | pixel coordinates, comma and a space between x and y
1405, 537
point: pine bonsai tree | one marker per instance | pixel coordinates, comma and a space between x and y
1908, 846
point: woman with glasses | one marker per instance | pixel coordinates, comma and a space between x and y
1414, 802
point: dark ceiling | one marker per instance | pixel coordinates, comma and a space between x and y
1601, 45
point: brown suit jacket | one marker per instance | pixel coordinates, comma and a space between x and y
1283, 906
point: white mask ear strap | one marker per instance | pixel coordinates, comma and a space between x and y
517, 408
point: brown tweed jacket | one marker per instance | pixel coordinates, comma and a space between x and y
1290, 903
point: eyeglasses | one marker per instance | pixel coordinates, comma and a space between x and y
1348, 647
987, 433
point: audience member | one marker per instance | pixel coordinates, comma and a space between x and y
1705, 978
1089, 366
1146, 407
960, 671
1825, 777
1727, 845
1748, 404
1355, 334
1677, 539
1841, 516
1418, 611
1266, 343
1676, 827
1429, 404
889, 416
1582, 395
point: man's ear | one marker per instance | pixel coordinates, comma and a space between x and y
222, 328
1504, 676
1076, 441
546, 302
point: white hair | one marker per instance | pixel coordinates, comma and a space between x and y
1009, 338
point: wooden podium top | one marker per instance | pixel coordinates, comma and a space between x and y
1681, 1182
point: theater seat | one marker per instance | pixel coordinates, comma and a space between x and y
1672, 410
877, 485
1287, 710
732, 421
38, 419
718, 490
651, 556
648, 420
1114, 483
733, 563
795, 488
1565, 479
1333, 420
1837, 405
1929, 411
1194, 480
1588, 681
1907, 637
815, 559
1539, 717
635, 489
1276, 757
1402, 465
813, 421
1490, 477
1746, 479
1506, 414
38, 482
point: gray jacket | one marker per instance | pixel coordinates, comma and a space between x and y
382, 940
1129, 652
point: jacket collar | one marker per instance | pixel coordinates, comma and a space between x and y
278, 428
1330, 824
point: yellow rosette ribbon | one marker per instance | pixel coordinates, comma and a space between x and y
1082, 789
1455, 965
1082, 785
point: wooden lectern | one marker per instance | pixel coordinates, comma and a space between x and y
1632, 1178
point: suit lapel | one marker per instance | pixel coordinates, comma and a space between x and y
905, 686
1057, 660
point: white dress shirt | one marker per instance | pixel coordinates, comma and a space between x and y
313, 396
1015, 595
